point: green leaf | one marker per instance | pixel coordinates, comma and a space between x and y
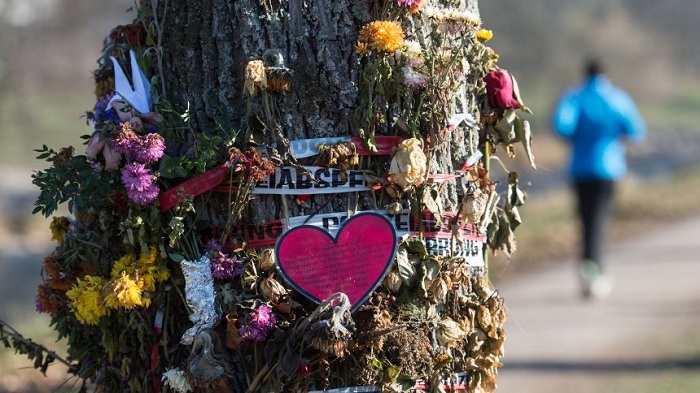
376, 363
393, 373
416, 247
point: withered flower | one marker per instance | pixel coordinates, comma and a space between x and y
409, 165
272, 289
255, 77
449, 333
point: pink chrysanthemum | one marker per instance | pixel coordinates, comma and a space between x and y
146, 149
126, 140
151, 148
138, 181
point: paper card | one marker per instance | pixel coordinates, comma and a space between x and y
354, 261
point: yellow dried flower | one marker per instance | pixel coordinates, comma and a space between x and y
384, 36
85, 296
149, 266
58, 227
124, 264
409, 165
124, 292
484, 35
104, 86
361, 48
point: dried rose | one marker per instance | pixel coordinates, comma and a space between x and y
272, 289
255, 78
267, 259
392, 281
409, 165
500, 87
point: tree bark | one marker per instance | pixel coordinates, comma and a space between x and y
207, 44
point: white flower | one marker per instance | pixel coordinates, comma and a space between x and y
413, 78
412, 48
175, 378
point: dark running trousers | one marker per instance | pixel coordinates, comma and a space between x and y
594, 199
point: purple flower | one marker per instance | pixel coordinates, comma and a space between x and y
126, 142
138, 181
146, 149
262, 321
151, 148
224, 267
101, 113
213, 245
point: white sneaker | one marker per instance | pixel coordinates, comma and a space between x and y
600, 287
593, 283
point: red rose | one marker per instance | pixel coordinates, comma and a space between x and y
499, 87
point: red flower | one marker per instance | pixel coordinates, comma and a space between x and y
499, 87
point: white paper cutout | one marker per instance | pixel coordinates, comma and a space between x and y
138, 96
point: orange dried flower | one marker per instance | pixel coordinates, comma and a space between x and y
384, 36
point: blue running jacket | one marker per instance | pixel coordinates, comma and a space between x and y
596, 117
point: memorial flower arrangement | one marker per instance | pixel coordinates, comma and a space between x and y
155, 287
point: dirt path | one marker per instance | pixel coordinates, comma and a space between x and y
560, 343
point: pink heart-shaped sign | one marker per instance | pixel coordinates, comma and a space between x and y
354, 262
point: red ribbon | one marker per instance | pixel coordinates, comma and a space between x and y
194, 186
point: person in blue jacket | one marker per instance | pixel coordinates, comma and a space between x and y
596, 118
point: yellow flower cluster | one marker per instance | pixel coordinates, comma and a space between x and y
58, 227
383, 36
86, 298
130, 282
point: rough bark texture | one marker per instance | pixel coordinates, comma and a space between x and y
206, 45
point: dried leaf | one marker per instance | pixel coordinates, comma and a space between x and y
474, 205
431, 201
523, 133
505, 128
406, 270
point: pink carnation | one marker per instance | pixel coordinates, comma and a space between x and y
139, 184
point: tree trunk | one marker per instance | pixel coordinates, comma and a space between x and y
156, 271
206, 47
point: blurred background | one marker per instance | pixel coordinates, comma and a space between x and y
48, 50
